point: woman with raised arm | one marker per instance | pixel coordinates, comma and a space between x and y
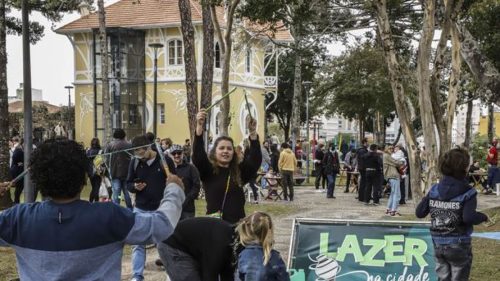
221, 173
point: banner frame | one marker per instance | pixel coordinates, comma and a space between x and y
347, 222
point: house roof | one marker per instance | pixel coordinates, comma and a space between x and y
144, 14
18, 106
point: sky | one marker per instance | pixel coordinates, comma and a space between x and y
52, 65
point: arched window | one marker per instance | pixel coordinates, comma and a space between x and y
244, 114
248, 61
175, 53
217, 55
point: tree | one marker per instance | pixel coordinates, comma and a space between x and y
189, 64
355, 85
51, 9
207, 75
311, 23
225, 37
5, 201
282, 108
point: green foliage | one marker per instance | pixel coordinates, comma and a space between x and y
355, 84
479, 149
282, 108
53, 10
482, 20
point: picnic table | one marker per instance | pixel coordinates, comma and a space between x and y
478, 178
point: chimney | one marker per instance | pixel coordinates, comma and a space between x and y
84, 8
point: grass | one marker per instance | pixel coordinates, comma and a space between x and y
8, 269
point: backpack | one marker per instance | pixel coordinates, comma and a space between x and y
99, 163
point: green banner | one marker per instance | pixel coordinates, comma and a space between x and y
361, 251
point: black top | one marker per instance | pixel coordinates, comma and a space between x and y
209, 241
372, 160
154, 176
319, 155
17, 166
275, 157
359, 157
191, 179
214, 184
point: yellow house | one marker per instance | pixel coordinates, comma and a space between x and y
483, 124
131, 27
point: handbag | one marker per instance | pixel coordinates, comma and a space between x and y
103, 190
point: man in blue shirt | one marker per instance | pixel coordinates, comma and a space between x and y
65, 238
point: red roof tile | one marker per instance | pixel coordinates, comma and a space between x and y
144, 14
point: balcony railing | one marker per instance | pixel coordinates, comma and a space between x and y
270, 81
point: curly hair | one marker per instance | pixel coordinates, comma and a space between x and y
58, 168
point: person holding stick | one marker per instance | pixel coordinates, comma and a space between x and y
222, 175
58, 239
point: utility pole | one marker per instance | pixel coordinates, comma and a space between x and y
29, 193
155, 46
70, 134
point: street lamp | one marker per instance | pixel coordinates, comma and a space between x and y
70, 135
307, 87
155, 46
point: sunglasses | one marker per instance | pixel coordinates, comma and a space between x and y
176, 153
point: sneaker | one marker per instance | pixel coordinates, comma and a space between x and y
319, 191
376, 204
367, 204
255, 202
387, 211
334, 197
346, 191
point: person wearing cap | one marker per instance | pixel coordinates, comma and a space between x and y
190, 177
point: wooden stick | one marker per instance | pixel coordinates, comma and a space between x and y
248, 106
221, 99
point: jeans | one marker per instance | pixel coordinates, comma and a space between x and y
265, 169
395, 195
331, 185
493, 176
179, 265
138, 255
287, 181
118, 186
453, 262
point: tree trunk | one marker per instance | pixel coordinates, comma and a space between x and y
424, 95
189, 64
207, 75
106, 99
468, 122
297, 95
484, 72
491, 121
403, 111
453, 89
226, 43
5, 200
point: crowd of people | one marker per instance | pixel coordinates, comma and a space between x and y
159, 182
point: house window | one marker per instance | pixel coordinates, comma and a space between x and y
161, 113
244, 117
175, 52
248, 61
217, 55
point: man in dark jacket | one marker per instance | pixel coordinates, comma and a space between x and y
361, 168
119, 163
452, 205
190, 177
17, 167
146, 178
331, 166
372, 162
318, 166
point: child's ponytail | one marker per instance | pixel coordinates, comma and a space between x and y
257, 229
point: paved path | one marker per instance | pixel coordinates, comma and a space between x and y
311, 204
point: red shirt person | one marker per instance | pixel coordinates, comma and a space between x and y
492, 159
